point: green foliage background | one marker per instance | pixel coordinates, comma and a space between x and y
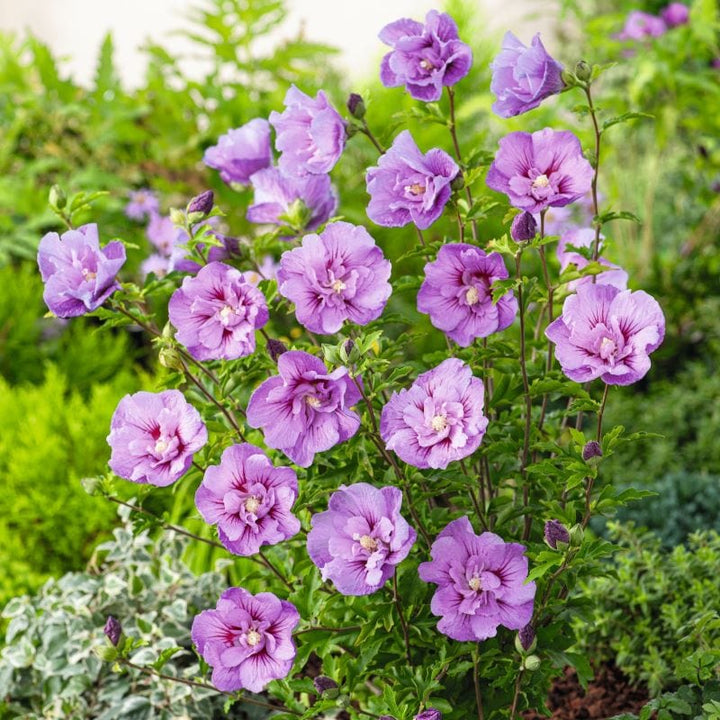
60, 383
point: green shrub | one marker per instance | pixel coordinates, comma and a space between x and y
49, 667
51, 437
658, 613
685, 503
28, 340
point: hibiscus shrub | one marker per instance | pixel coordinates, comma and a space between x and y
424, 557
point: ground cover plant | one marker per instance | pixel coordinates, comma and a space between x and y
385, 349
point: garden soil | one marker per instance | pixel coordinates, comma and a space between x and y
609, 694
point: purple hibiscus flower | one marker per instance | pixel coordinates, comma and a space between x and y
249, 499
276, 192
457, 293
143, 203
360, 539
153, 437
407, 186
640, 25
522, 77
585, 238
608, 333
247, 639
163, 234
304, 410
310, 134
79, 275
335, 276
540, 170
217, 312
481, 583
438, 419
241, 152
675, 14
424, 58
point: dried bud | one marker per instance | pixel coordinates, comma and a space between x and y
57, 198
356, 106
524, 227
591, 450
429, 714
275, 349
113, 630
556, 532
526, 639
200, 206
326, 686
583, 71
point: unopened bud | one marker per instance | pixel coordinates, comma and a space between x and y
356, 106
177, 217
524, 227
113, 630
326, 686
556, 532
275, 349
170, 359
458, 182
591, 450
576, 536
429, 714
531, 663
200, 206
525, 640
57, 198
583, 71
568, 78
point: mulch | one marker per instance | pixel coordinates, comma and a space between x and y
609, 694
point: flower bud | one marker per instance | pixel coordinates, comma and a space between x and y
177, 217
556, 532
576, 536
458, 182
200, 206
275, 349
531, 663
351, 130
525, 640
429, 714
113, 630
169, 358
326, 686
524, 227
583, 71
568, 78
356, 106
591, 450
57, 197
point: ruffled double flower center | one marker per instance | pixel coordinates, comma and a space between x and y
371, 545
247, 505
441, 421
474, 289
165, 444
609, 343
315, 396
340, 284
477, 585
